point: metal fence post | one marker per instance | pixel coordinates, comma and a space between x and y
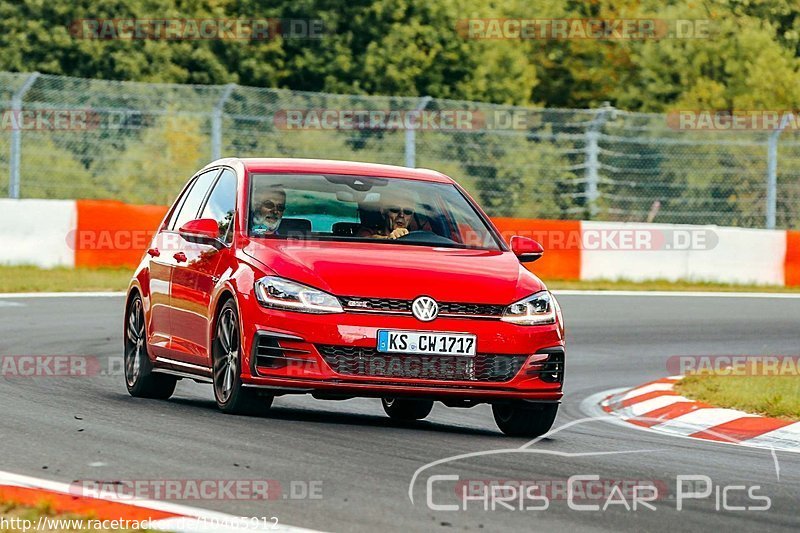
772, 170
16, 136
411, 136
216, 122
592, 166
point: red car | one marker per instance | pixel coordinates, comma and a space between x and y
341, 279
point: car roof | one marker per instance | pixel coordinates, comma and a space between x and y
328, 166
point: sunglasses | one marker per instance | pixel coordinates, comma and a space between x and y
406, 211
272, 206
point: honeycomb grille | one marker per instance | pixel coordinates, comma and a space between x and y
355, 361
390, 305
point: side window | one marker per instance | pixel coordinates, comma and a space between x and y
194, 198
222, 204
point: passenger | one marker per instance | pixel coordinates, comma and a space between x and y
268, 206
399, 214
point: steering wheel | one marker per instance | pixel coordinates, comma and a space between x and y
426, 237
418, 233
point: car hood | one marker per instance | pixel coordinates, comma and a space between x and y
397, 270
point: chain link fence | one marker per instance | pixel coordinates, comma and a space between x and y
65, 137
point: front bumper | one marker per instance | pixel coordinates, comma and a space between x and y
285, 351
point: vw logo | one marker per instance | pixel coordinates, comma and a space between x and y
425, 308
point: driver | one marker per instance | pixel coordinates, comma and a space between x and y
399, 215
268, 207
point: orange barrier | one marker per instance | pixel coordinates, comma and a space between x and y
561, 240
791, 266
112, 233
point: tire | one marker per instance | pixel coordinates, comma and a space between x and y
140, 379
524, 420
231, 395
407, 410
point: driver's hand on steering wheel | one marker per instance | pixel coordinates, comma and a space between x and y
399, 232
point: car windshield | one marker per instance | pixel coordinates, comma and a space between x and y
361, 208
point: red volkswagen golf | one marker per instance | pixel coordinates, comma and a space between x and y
340, 279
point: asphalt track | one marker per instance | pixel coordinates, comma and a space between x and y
88, 428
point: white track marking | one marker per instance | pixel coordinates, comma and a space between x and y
653, 387
689, 294
15, 295
787, 437
191, 520
640, 408
591, 407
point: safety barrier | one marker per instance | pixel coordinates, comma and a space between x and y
98, 233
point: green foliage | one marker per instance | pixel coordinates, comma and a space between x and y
155, 169
749, 60
413, 47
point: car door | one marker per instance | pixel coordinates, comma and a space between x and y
195, 275
160, 266
171, 249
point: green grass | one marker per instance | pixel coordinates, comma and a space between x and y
16, 514
774, 396
34, 279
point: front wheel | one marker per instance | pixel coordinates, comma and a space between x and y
524, 419
139, 377
231, 395
407, 410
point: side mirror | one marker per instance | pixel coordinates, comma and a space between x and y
527, 250
202, 231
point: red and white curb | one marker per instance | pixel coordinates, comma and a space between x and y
160, 516
657, 407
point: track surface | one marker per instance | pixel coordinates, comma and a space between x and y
365, 462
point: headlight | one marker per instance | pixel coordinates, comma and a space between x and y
273, 291
533, 310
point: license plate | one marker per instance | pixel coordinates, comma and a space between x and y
425, 342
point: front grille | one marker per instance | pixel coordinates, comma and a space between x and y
354, 361
471, 309
388, 305
393, 305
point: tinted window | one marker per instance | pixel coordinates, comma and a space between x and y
222, 203
194, 198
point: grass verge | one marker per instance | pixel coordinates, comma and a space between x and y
35, 279
17, 518
774, 396
662, 285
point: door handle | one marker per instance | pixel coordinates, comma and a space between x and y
180, 257
153, 252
